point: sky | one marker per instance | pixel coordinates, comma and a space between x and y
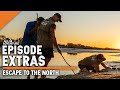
92, 28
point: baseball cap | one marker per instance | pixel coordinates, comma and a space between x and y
58, 16
100, 56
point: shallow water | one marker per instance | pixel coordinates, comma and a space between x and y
113, 59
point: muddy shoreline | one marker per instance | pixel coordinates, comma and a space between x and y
91, 75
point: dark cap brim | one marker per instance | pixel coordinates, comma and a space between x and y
103, 58
60, 20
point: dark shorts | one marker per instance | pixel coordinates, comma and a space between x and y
48, 52
87, 67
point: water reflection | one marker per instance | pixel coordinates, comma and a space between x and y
72, 59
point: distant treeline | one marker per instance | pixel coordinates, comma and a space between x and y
68, 45
2, 38
80, 46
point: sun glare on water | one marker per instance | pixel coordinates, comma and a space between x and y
118, 45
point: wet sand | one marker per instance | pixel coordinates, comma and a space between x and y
91, 75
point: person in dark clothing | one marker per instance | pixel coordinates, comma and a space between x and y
30, 35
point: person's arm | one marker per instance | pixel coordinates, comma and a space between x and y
52, 35
104, 65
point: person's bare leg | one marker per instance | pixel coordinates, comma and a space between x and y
36, 76
47, 60
28, 77
84, 70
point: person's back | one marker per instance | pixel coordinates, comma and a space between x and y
89, 60
92, 63
29, 39
43, 34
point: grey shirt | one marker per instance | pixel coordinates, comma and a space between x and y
43, 34
88, 61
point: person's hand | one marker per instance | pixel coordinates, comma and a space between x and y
59, 51
108, 68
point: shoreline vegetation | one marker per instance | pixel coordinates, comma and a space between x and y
80, 46
68, 45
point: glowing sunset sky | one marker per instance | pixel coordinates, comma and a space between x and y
93, 28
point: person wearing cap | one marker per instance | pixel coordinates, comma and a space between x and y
30, 35
92, 63
46, 37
